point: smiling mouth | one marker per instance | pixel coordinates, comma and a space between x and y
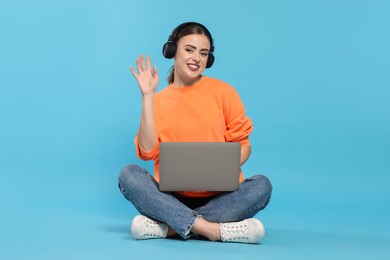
193, 67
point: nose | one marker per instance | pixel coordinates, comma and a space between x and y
196, 57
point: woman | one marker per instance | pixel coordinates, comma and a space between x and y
193, 108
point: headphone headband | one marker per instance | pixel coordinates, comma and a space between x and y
172, 37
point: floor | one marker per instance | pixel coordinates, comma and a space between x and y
93, 223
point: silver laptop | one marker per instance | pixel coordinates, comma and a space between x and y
199, 166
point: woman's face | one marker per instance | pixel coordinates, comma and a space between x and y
191, 58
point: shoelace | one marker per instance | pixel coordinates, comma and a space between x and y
235, 232
153, 229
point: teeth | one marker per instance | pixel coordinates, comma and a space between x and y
193, 66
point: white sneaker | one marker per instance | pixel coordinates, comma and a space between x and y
250, 230
145, 228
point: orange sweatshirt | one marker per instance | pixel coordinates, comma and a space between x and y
208, 111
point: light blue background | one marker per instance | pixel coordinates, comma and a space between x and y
313, 75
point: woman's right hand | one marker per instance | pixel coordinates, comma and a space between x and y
147, 77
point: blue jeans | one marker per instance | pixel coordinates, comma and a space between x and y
140, 188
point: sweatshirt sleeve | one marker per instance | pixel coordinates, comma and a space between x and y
238, 125
146, 155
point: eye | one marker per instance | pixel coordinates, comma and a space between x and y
188, 50
204, 54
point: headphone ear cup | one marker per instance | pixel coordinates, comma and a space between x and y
169, 50
210, 60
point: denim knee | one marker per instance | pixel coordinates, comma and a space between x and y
129, 178
264, 188
128, 172
263, 182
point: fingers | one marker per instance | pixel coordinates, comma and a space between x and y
143, 65
137, 62
149, 63
133, 72
155, 73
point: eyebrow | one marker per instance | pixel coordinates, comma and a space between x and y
192, 46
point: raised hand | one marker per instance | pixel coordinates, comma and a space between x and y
147, 77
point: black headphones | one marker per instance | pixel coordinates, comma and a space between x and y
169, 48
